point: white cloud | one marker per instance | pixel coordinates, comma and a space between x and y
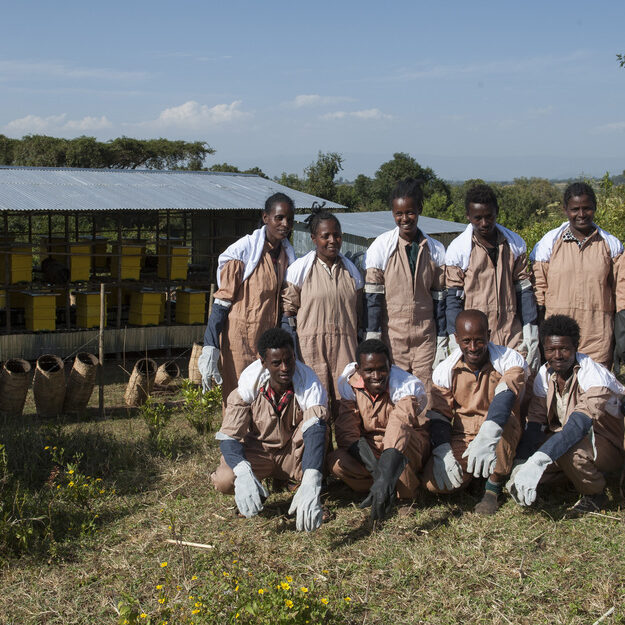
313, 99
18, 70
366, 114
192, 114
607, 128
56, 123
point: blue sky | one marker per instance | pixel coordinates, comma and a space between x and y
473, 89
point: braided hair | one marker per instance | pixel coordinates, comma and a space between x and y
317, 215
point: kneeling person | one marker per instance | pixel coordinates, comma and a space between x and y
274, 425
380, 431
575, 407
475, 412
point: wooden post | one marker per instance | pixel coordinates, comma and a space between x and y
101, 350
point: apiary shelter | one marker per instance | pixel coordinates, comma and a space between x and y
152, 237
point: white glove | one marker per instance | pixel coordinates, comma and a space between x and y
453, 344
441, 350
481, 450
529, 346
307, 502
525, 479
447, 470
248, 491
373, 335
207, 365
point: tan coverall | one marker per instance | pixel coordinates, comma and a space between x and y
255, 308
492, 289
273, 444
579, 464
582, 283
385, 425
466, 405
327, 321
408, 326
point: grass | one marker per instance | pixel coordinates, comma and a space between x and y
433, 562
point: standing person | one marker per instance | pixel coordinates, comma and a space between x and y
486, 269
274, 426
574, 427
475, 422
576, 273
381, 431
320, 303
250, 274
404, 287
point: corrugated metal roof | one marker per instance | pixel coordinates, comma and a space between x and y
370, 225
64, 189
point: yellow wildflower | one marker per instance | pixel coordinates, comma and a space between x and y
195, 611
304, 589
71, 484
234, 561
194, 577
236, 588
348, 599
163, 565
288, 603
324, 601
159, 587
285, 586
289, 578
161, 600
71, 471
143, 615
261, 591
47, 447
325, 571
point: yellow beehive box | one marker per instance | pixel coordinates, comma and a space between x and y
40, 311
129, 255
98, 252
88, 309
19, 257
190, 306
145, 307
178, 260
80, 262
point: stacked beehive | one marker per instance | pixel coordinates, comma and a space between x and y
146, 307
190, 306
19, 259
88, 309
178, 256
40, 311
129, 254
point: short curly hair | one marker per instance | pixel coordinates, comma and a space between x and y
560, 325
408, 187
481, 194
577, 189
372, 346
274, 338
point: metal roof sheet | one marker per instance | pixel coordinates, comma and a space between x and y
370, 225
65, 189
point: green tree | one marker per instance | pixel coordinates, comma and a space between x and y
256, 171
293, 181
225, 167
320, 175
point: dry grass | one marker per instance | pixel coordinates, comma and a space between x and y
434, 563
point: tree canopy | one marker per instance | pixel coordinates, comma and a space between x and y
119, 153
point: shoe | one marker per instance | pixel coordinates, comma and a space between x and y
588, 503
488, 505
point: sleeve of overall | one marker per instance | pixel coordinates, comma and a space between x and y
440, 428
402, 423
290, 299
454, 296
577, 426
347, 426
230, 278
540, 271
314, 433
374, 299
618, 270
237, 419
442, 401
526, 300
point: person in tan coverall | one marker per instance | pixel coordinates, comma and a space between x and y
381, 431
475, 423
486, 269
578, 271
274, 426
251, 275
404, 287
574, 426
320, 303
